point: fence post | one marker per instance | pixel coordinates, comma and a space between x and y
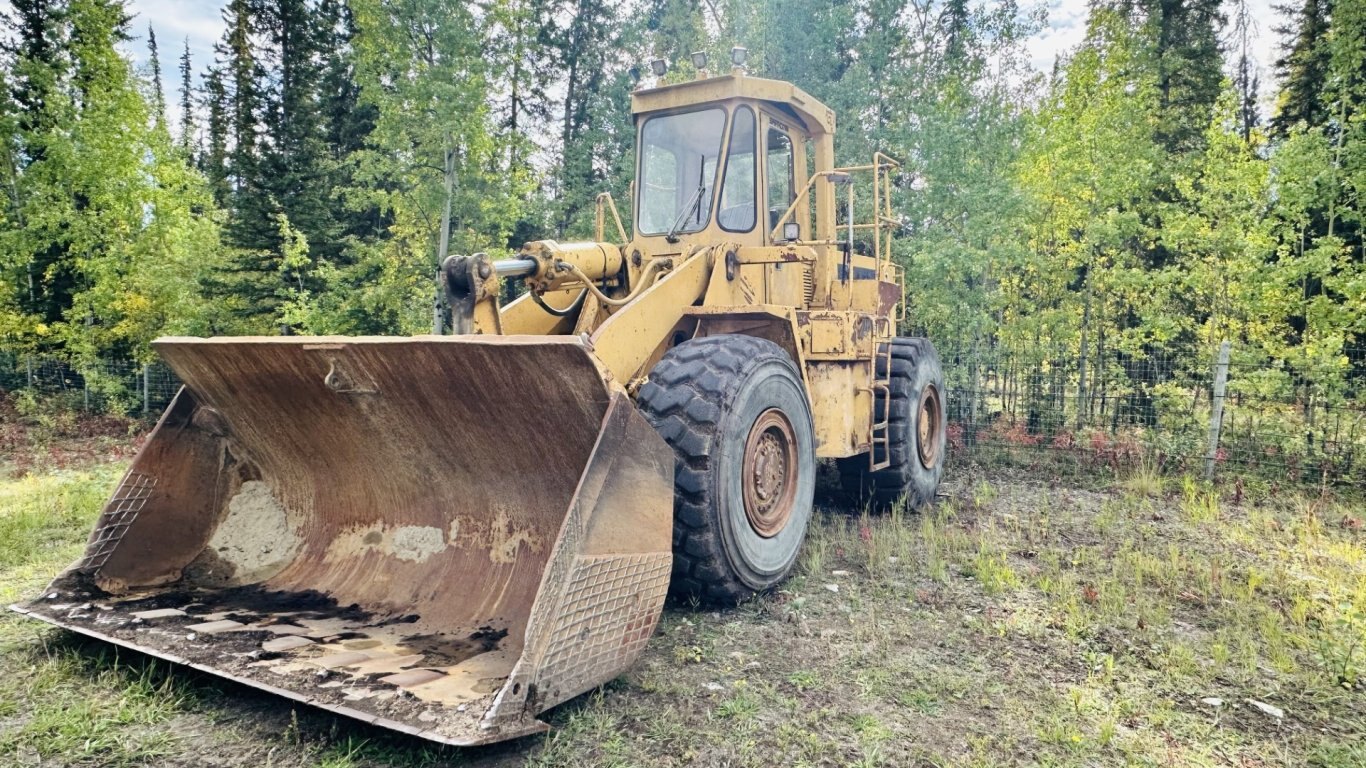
28, 364
1081, 387
1216, 416
146, 390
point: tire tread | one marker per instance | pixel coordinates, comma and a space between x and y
688, 391
885, 487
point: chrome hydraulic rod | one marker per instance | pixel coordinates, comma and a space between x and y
514, 267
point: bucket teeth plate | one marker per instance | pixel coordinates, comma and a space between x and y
440, 535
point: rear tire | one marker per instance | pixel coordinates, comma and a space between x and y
918, 432
738, 418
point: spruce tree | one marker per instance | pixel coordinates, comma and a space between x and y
1302, 69
252, 279
293, 159
586, 57
346, 126
39, 65
524, 68
213, 161
35, 265
187, 121
1189, 67
158, 90
1246, 80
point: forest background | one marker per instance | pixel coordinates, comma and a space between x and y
1137, 203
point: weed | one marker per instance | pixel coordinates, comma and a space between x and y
1200, 505
1340, 643
991, 568
689, 654
1145, 479
924, 702
814, 549
803, 679
740, 706
983, 494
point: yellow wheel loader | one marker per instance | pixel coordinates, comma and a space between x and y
447, 535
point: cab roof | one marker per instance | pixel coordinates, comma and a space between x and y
814, 116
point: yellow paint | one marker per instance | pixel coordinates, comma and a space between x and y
829, 307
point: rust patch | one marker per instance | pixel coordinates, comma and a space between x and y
863, 328
888, 296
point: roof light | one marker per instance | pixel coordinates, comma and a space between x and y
660, 67
699, 59
737, 56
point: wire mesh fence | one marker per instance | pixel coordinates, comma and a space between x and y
1224, 410
117, 386
1209, 412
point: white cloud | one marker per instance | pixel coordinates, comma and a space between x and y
1066, 28
177, 22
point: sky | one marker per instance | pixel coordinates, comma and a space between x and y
200, 23
1067, 27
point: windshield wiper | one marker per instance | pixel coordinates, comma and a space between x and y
694, 201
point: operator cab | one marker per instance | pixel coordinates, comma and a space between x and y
723, 156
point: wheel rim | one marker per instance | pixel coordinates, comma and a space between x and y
929, 427
770, 473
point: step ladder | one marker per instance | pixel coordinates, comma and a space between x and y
880, 450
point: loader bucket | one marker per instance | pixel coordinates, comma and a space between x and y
440, 535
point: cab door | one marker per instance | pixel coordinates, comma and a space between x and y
780, 176
738, 209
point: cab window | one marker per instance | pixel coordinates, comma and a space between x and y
780, 179
736, 213
678, 159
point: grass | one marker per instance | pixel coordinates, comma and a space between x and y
45, 521
1016, 623
56, 702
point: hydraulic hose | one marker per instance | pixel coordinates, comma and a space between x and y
646, 278
567, 311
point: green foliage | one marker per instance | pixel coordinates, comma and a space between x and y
1125, 204
107, 231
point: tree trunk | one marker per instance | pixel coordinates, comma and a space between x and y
444, 243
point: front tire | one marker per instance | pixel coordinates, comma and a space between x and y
738, 418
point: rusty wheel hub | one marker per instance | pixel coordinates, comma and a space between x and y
929, 426
770, 473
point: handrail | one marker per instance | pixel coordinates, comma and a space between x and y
796, 200
882, 196
604, 202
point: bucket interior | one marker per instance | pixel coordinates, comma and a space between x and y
380, 511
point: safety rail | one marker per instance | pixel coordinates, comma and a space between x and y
604, 204
883, 223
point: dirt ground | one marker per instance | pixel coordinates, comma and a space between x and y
1025, 619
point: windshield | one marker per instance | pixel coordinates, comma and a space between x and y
677, 170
